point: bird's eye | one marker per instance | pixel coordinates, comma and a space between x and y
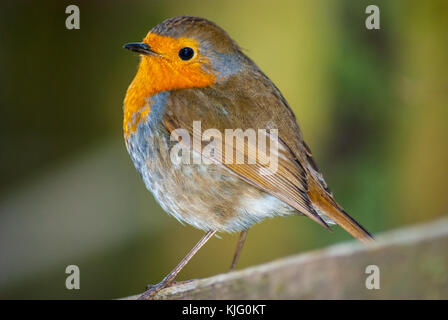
186, 53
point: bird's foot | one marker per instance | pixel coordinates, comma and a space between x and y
153, 289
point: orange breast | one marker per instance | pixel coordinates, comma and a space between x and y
165, 73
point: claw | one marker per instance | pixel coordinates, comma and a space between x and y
152, 290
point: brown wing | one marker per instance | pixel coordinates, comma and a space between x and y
215, 109
287, 182
235, 104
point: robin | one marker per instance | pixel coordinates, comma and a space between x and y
192, 71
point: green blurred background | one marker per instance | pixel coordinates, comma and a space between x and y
372, 106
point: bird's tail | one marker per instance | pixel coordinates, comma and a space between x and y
325, 203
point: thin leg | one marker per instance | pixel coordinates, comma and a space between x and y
239, 246
170, 277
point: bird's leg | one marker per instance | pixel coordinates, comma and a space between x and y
239, 246
168, 280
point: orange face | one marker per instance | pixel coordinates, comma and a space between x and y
169, 70
172, 64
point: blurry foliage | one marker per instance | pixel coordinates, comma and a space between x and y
372, 105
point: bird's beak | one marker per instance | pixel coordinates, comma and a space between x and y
140, 47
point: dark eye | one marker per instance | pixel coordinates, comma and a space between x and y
186, 53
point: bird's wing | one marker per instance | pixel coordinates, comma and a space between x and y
255, 103
287, 180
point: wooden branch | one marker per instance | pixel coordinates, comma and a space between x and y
413, 264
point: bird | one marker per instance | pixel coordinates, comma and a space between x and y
191, 71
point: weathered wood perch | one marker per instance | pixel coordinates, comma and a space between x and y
413, 264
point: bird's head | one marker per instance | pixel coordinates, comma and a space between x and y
181, 53
186, 52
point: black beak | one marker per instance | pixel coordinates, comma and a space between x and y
141, 48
